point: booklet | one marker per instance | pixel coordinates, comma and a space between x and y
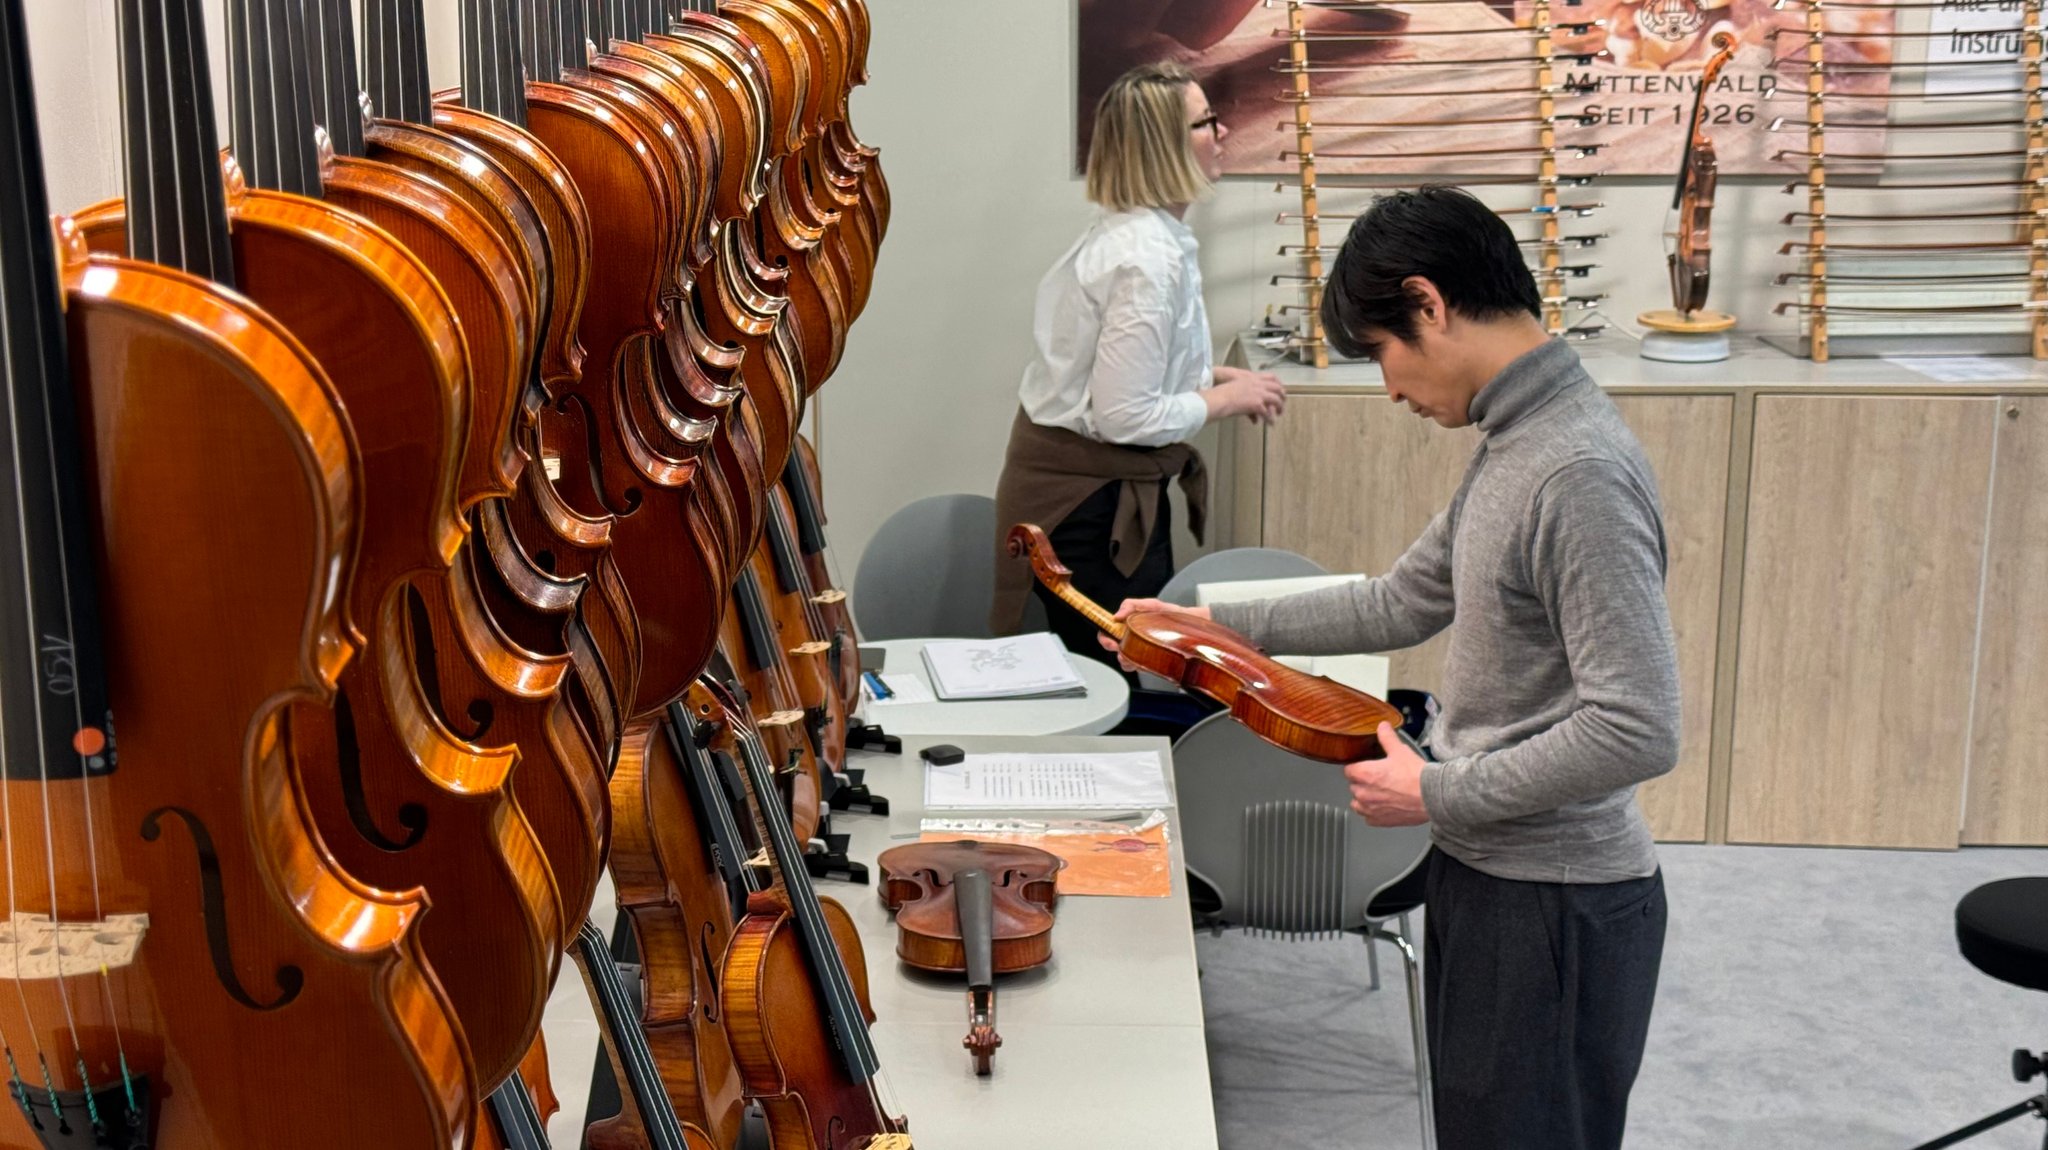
1034, 666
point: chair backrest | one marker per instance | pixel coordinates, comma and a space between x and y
1237, 563
1228, 566
929, 572
1274, 835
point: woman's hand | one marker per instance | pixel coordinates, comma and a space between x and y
1133, 606
1258, 394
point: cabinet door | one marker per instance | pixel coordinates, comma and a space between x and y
1350, 482
2008, 788
1685, 438
1859, 608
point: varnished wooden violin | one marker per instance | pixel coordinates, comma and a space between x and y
1309, 715
1693, 199
979, 908
191, 967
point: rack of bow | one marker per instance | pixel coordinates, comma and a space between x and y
1502, 81
1952, 243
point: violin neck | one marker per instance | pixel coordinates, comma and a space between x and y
271, 96
572, 33
493, 63
602, 26
711, 806
619, 1019
395, 52
518, 1121
789, 565
756, 624
337, 95
51, 662
540, 33
176, 207
628, 19
1089, 608
810, 521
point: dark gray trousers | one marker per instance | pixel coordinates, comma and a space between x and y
1537, 998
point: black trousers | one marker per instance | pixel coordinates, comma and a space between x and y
1537, 998
1083, 544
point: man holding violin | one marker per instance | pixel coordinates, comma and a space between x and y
1546, 911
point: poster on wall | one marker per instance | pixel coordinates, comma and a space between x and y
1446, 86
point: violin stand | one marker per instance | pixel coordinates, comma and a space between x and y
827, 858
871, 737
1674, 337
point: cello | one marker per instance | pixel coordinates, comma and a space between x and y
1313, 717
191, 969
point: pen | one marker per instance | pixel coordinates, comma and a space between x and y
875, 685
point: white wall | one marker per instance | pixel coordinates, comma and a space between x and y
972, 104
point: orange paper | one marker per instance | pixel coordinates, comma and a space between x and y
1112, 861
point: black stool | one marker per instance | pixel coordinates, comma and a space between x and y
2002, 928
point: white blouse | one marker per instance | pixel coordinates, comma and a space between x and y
1121, 334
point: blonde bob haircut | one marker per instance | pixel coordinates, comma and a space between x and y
1142, 154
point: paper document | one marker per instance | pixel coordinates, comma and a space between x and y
904, 687
1022, 782
1128, 859
1032, 666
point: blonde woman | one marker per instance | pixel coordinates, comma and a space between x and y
1122, 377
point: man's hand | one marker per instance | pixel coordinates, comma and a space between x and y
1132, 606
1388, 792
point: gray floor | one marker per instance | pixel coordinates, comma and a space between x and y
1809, 998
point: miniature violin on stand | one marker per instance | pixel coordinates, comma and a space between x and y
1686, 332
1311, 716
982, 908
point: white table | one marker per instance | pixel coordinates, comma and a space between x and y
1102, 1047
1103, 707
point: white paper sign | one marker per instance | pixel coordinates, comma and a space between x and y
1985, 31
1121, 781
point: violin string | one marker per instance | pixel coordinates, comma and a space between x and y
16, 24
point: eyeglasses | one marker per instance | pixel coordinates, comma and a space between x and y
1212, 121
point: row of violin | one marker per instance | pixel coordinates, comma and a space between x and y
413, 523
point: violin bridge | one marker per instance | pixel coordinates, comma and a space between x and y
831, 598
34, 947
782, 719
886, 1142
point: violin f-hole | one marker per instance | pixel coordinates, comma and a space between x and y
349, 764
213, 898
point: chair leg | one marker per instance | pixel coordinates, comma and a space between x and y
1372, 956
1425, 1094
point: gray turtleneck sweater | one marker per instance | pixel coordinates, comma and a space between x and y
1560, 692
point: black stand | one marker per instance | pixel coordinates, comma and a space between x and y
2025, 1065
852, 794
831, 860
871, 737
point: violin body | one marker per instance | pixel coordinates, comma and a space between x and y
1311, 716
663, 872
401, 801
780, 1039
918, 884
267, 973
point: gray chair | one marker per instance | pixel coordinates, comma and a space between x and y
929, 572
1273, 835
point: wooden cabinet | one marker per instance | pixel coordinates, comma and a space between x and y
1350, 481
1686, 438
2007, 797
1862, 566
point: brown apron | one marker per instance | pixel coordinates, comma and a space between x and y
1049, 471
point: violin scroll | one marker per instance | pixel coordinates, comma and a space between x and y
1029, 538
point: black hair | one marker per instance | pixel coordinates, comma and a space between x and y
1446, 236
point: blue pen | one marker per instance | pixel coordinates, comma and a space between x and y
875, 685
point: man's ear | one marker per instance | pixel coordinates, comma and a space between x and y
1430, 309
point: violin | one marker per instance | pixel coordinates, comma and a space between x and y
801, 483
750, 644
190, 967
1693, 198
980, 908
1309, 715
793, 984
